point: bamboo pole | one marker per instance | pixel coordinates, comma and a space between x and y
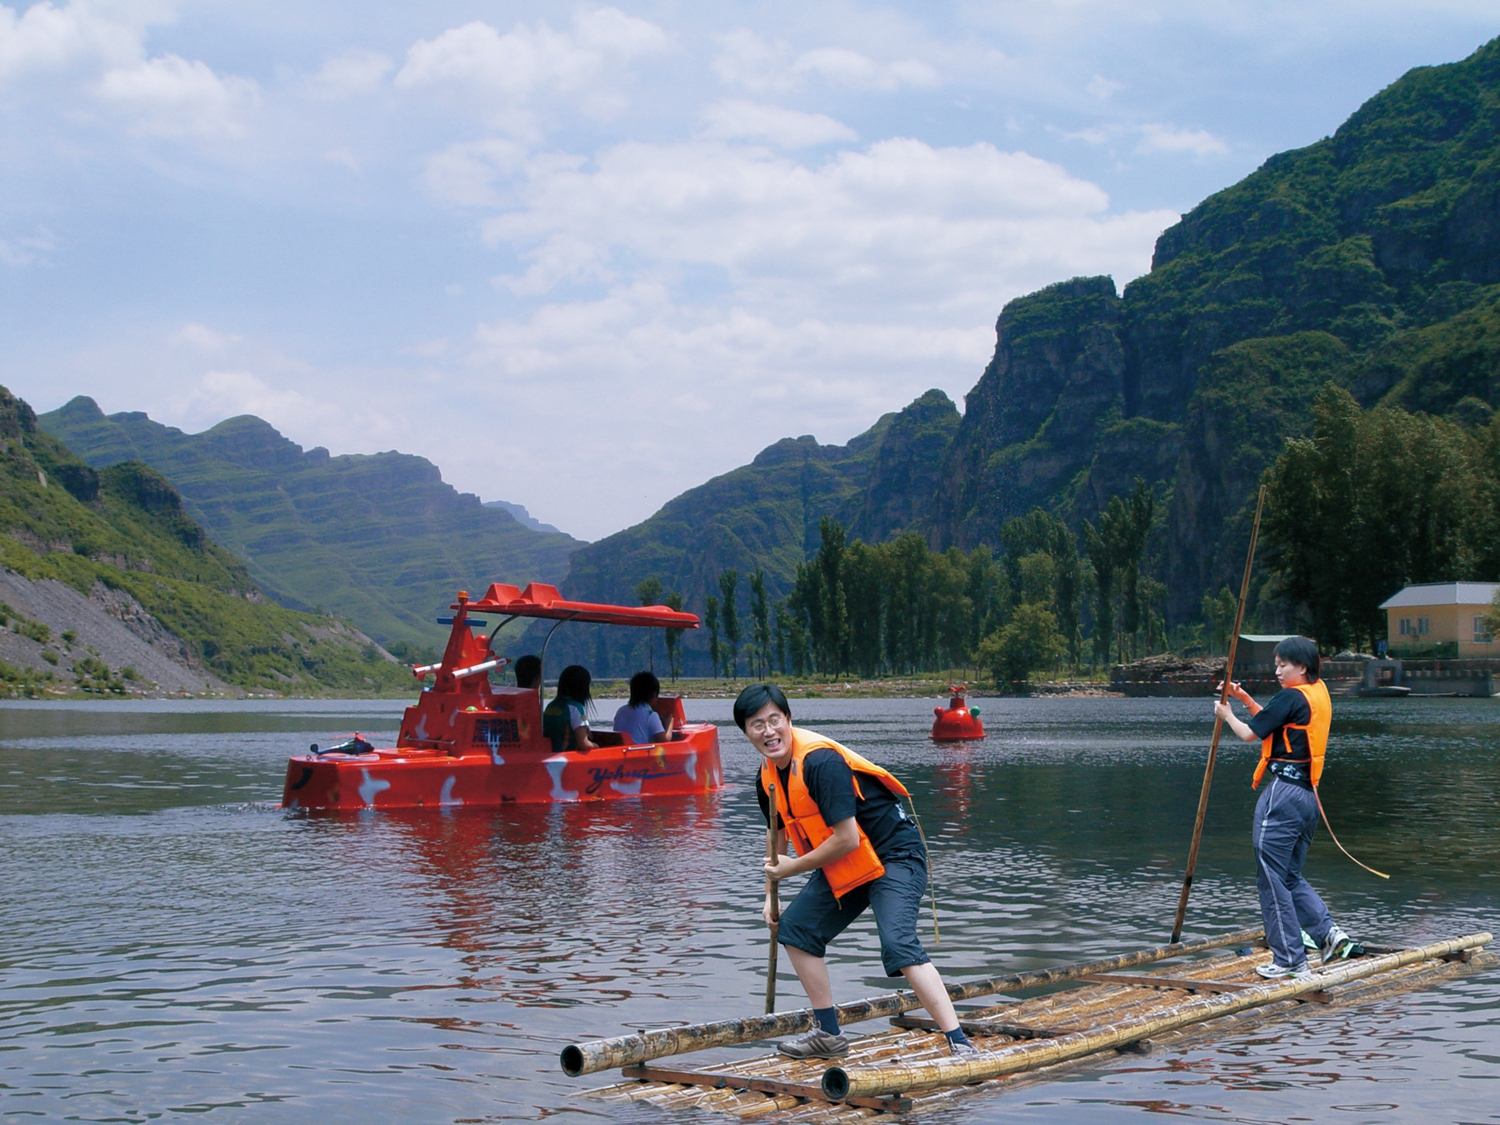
840, 1082
1213, 748
773, 899
643, 1046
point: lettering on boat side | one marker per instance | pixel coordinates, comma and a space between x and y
601, 774
305, 778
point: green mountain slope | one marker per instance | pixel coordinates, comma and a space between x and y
122, 537
378, 539
1371, 258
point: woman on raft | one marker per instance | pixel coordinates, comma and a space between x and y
842, 813
1293, 732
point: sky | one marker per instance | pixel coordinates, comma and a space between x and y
584, 257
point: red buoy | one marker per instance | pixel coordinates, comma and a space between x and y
958, 722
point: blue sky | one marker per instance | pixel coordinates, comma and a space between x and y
585, 256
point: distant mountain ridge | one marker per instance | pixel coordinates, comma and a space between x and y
108, 585
378, 538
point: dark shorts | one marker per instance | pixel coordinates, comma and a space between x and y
815, 917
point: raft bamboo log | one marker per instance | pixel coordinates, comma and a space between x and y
772, 898
627, 1050
865, 1082
1213, 747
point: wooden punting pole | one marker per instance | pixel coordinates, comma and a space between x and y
877, 1081
629, 1050
1213, 748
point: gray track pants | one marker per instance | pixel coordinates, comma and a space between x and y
1285, 817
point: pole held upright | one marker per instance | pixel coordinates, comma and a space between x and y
1213, 747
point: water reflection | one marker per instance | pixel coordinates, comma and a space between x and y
175, 944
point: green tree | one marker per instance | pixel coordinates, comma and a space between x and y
1029, 643
760, 618
728, 582
648, 592
1218, 612
673, 638
711, 623
1492, 618
1374, 500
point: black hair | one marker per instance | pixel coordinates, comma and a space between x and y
528, 670
573, 682
644, 687
1300, 650
756, 696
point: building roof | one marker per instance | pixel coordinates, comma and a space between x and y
1266, 638
1442, 593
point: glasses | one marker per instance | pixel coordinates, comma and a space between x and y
774, 721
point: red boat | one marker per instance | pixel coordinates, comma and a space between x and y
465, 742
959, 722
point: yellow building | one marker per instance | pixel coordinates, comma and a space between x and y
1442, 613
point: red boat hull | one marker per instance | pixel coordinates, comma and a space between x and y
412, 777
956, 722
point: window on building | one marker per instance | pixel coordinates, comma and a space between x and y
1424, 626
1405, 627
1482, 636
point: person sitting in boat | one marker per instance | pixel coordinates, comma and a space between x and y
843, 814
529, 672
565, 722
637, 720
1293, 731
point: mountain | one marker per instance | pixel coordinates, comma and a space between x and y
522, 516
1370, 258
379, 539
109, 584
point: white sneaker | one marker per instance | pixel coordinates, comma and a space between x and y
1339, 946
1273, 971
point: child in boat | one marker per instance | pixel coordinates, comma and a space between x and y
565, 721
863, 851
529, 671
1293, 731
637, 720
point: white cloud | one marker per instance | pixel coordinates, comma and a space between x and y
1103, 88
901, 223
27, 249
356, 71
786, 128
222, 394
748, 60
46, 38
202, 337
510, 70
170, 96
1167, 138
465, 173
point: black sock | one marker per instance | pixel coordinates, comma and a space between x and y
828, 1020
956, 1036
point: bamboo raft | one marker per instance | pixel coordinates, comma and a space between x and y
1082, 1015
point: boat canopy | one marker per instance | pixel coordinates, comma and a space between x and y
542, 600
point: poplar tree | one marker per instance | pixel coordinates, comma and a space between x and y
728, 581
760, 616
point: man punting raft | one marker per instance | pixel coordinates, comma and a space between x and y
842, 813
1293, 731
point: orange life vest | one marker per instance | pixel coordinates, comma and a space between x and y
1321, 708
804, 823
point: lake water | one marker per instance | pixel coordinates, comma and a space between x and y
176, 947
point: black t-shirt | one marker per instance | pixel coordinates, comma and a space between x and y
879, 812
1287, 706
